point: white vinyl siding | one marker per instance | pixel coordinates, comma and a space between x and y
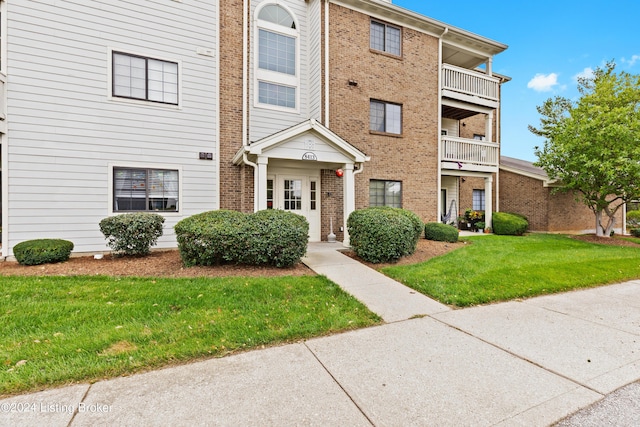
269, 119
67, 131
315, 55
451, 127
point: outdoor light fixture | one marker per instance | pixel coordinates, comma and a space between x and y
339, 173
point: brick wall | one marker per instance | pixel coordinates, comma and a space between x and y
555, 213
332, 203
233, 194
410, 81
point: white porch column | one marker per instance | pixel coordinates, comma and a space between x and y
261, 183
488, 127
488, 201
349, 195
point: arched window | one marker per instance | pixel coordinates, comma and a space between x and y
277, 57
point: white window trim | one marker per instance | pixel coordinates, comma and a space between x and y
163, 106
110, 189
269, 76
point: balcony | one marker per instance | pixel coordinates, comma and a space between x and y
468, 154
470, 86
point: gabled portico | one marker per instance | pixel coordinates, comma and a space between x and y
287, 169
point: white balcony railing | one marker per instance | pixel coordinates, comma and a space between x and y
468, 82
467, 152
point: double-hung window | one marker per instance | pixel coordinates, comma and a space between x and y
277, 62
385, 38
385, 117
141, 190
385, 193
478, 200
147, 79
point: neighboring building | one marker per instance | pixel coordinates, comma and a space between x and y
525, 189
319, 107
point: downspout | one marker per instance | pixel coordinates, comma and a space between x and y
439, 165
245, 97
326, 63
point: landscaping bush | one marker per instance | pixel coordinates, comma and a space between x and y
440, 232
275, 237
210, 238
635, 232
133, 233
270, 237
382, 234
42, 251
633, 219
509, 224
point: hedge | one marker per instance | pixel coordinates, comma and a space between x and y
269, 237
633, 219
509, 224
441, 232
42, 251
383, 234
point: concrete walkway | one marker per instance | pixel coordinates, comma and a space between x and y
530, 362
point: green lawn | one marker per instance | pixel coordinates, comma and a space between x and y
58, 330
497, 268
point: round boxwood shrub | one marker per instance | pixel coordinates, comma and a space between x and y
42, 251
132, 233
509, 224
635, 232
441, 232
382, 234
270, 237
274, 237
210, 238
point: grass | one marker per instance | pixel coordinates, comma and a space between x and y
499, 268
60, 330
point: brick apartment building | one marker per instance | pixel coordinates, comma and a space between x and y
319, 107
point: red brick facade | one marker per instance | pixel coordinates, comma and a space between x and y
411, 81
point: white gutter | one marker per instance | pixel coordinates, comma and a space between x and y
326, 63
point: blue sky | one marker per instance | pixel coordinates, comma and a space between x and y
550, 43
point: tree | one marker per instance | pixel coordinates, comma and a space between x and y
592, 145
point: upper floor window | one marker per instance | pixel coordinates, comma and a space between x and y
143, 190
385, 38
277, 57
385, 193
385, 117
148, 79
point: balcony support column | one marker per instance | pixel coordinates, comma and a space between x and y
488, 200
488, 127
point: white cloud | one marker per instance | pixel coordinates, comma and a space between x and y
631, 62
543, 83
587, 73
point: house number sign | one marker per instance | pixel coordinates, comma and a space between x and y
309, 156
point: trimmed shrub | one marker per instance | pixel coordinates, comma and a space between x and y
441, 232
210, 238
508, 224
382, 234
274, 237
271, 237
42, 251
635, 232
132, 233
418, 225
633, 219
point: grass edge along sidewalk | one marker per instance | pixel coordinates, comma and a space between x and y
499, 268
63, 330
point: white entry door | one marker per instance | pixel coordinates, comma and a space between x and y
301, 195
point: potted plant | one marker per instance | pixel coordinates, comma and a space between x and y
480, 226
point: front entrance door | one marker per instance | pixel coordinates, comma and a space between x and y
301, 195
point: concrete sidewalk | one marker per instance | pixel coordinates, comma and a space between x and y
528, 362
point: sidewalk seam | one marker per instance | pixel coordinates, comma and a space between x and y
339, 385
75, 412
519, 356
